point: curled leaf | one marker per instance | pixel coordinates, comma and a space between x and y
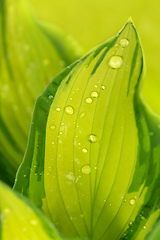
21, 220
92, 162
32, 53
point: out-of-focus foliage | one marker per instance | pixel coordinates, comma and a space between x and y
20, 220
31, 54
155, 233
93, 21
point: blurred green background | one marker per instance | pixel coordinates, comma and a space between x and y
93, 21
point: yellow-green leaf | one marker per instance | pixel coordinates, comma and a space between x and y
20, 220
32, 53
94, 149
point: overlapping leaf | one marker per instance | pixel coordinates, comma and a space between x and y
32, 53
20, 220
92, 162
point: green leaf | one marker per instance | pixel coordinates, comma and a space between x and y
19, 219
155, 233
32, 53
94, 149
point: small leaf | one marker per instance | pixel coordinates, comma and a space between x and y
94, 149
19, 219
32, 53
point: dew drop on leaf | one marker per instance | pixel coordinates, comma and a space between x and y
93, 138
115, 62
88, 100
82, 115
86, 169
84, 150
143, 218
94, 94
69, 110
50, 96
103, 87
52, 126
130, 224
132, 201
58, 109
124, 42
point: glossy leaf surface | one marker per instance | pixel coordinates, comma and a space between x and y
20, 219
32, 53
94, 148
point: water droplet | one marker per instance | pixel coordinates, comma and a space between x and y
93, 138
79, 144
53, 143
115, 62
69, 110
52, 126
50, 96
82, 115
86, 169
132, 201
103, 87
143, 218
88, 100
70, 176
130, 224
94, 94
124, 42
24, 175
58, 109
144, 227
96, 86
84, 150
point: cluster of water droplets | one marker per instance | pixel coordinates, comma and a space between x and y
116, 61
